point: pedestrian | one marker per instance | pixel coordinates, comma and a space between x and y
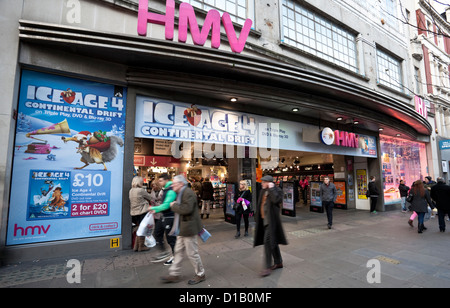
164, 224
404, 190
440, 193
328, 195
419, 197
243, 207
428, 184
414, 214
269, 230
207, 196
373, 193
139, 206
304, 187
187, 225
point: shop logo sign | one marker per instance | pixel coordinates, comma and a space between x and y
421, 107
339, 138
187, 19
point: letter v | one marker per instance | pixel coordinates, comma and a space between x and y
45, 230
237, 45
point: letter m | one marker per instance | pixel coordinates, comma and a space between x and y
211, 24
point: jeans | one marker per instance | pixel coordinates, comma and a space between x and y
238, 221
404, 203
206, 205
421, 218
328, 205
441, 216
373, 203
271, 249
164, 225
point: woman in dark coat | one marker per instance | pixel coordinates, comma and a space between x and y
269, 230
207, 197
420, 199
243, 196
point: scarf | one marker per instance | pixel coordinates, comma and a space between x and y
176, 222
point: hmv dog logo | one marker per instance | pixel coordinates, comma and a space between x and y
31, 230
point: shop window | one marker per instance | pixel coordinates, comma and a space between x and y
239, 10
314, 34
402, 160
389, 71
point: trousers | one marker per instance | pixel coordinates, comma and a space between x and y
271, 249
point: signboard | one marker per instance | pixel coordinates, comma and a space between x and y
444, 144
162, 119
229, 212
288, 207
316, 200
68, 160
341, 200
361, 183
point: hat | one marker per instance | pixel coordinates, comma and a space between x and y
267, 178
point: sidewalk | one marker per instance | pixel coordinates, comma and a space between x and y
315, 257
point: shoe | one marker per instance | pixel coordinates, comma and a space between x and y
275, 266
410, 222
266, 272
196, 279
201, 216
238, 234
170, 279
423, 227
161, 257
169, 262
442, 230
329, 226
246, 233
141, 244
207, 216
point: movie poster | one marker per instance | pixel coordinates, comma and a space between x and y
68, 160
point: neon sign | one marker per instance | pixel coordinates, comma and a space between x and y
187, 19
339, 138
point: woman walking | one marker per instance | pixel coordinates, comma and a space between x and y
243, 204
139, 206
420, 199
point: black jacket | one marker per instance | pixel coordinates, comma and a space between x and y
373, 190
245, 195
440, 193
403, 189
420, 204
207, 191
273, 210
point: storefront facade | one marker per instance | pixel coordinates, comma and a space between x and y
77, 75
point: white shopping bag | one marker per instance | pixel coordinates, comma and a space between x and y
150, 241
146, 226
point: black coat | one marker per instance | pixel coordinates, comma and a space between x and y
440, 193
245, 195
373, 190
403, 189
420, 204
207, 191
273, 202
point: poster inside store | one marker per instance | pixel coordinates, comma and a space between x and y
68, 160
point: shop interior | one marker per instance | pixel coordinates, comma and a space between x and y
153, 157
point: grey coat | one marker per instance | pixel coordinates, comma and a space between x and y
328, 192
190, 223
139, 201
420, 204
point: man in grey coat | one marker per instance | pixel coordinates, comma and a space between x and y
187, 225
328, 195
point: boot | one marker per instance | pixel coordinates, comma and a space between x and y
410, 222
420, 229
201, 216
423, 227
136, 244
238, 234
141, 245
207, 216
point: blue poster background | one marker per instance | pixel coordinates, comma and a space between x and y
68, 160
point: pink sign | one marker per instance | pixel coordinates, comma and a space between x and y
187, 19
421, 107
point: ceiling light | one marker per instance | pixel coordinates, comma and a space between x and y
381, 129
356, 122
295, 109
233, 99
339, 118
398, 135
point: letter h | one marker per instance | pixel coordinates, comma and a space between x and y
144, 17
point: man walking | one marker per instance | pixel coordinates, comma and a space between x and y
187, 224
269, 230
328, 195
164, 224
440, 193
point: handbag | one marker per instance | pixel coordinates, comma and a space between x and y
204, 235
410, 198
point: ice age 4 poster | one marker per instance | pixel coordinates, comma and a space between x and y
68, 160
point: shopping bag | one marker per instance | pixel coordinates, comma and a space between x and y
146, 226
204, 235
428, 214
150, 241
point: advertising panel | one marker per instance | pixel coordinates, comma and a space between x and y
68, 160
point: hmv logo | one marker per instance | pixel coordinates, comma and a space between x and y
188, 19
31, 230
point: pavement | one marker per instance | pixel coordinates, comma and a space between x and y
360, 248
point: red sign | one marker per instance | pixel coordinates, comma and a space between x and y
156, 161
